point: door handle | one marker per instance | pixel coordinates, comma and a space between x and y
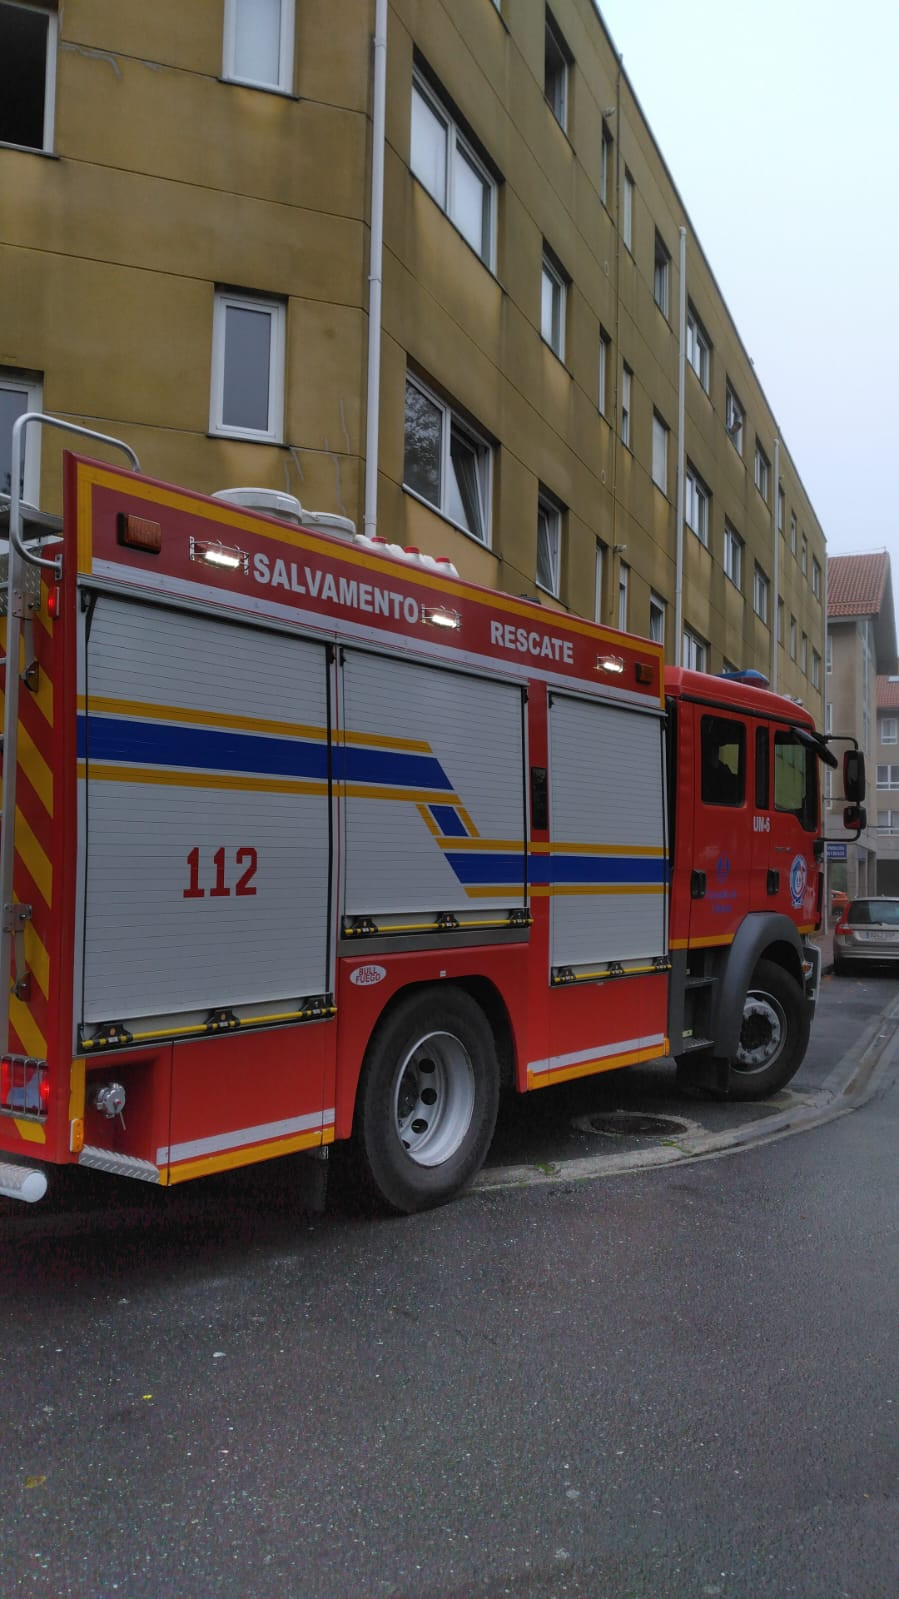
697, 885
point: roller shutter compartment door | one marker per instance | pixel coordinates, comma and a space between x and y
205, 817
434, 812
607, 872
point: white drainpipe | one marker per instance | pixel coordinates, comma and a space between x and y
376, 252
681, 398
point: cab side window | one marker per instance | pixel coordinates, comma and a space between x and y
795, 780
723, 761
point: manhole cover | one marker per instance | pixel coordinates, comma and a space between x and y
632, 1124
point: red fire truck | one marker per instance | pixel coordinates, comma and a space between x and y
305, 839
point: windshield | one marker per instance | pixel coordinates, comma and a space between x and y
874, 912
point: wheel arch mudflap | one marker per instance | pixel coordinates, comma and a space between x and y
765, 935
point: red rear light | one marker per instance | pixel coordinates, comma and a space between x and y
54, 602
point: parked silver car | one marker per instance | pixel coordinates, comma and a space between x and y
868, 930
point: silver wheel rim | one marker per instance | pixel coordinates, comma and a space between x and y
433, 1100
762, 1034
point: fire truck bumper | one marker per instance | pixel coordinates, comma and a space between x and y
811, 972
22, 1182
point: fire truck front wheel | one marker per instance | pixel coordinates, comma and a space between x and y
427, 1100
773, 1035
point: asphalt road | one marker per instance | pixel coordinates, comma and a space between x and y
677, 1382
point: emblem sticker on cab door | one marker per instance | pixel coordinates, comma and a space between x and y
798, 880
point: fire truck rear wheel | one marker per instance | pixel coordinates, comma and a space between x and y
427, 1101
773, 1035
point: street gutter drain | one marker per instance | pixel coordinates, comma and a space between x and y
631, 1124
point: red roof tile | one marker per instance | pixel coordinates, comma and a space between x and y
887, 693
856, 584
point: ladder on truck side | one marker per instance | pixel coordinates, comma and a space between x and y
20, 592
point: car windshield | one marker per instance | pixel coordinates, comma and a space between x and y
874, 912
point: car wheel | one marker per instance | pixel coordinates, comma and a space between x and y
773, 1034
427, 1100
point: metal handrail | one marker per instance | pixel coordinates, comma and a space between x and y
15, 614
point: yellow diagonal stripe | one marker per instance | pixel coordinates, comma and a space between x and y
34, 857
33, 1040
36, 770
37, 960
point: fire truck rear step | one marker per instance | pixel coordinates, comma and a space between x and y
117, 1165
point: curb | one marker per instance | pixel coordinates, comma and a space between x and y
853, 1081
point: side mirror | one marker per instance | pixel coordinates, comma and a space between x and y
854, 775
855, 818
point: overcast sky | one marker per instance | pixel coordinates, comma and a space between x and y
779, 122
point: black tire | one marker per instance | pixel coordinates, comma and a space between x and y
427, 1100
773, 1035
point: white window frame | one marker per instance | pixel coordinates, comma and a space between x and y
627, 212
781, 503
829, 654
696, 504
599, 560
457, 149
660, 437
624, 573
816, 577
549, 522
555, 73
605, 358
781, 609
454, 424
887, 776
273, 433
284, 83
733, 556
816, 669
760, 591
626, 386
552, 328
661, 274
49, 75
695, 651
803, 555
803, 654
31, 390
762, 471
792, 638
658, 611
792, 532
734, 418
888, 726
699, 348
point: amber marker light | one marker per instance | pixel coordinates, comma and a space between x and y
140, 533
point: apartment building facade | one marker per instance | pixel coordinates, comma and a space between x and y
861, 654
187, 201
884, 800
